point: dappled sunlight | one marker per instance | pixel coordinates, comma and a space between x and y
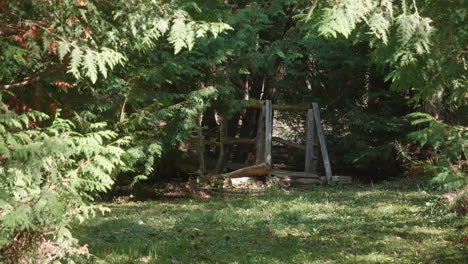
373, 257
280, 228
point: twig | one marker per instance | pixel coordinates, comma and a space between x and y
415, 8
122, 112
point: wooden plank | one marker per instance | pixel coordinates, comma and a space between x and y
258, 104
260, 147
305, 181
323, 146
232, 141
342, 179
268, 131
291, 174
288, 143
220, 165
311, 145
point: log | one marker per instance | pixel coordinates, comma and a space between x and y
260, 170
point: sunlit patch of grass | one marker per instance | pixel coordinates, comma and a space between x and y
388, 223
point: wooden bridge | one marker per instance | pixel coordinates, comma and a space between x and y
315, 140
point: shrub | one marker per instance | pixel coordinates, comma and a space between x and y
48, 176
448, 143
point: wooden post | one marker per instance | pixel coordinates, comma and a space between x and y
268, 131
323, 146
222, 147
311, 145
260, 145
201, 145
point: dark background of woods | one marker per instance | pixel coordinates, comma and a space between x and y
99, 94
270, 53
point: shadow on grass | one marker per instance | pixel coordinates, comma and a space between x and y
328, 225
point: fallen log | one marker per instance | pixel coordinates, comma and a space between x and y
260, 170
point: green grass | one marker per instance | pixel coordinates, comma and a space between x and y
386, 223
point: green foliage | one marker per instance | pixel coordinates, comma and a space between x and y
98, 35
421, 41
448, 142
91, 62
420, 45
47, 178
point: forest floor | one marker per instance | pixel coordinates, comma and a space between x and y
394, 222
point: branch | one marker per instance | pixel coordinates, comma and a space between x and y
122, 112
14, 29
31, 80
20, 84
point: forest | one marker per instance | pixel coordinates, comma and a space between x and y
124, 125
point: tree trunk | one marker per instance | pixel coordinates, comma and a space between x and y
201, 145
253, 88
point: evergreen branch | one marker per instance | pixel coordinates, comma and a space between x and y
31, 80
20, 84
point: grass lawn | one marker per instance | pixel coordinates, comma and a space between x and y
385, 223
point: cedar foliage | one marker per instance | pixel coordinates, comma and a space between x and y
422, 46
448, 143
139, 73
51, 170
48, 176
